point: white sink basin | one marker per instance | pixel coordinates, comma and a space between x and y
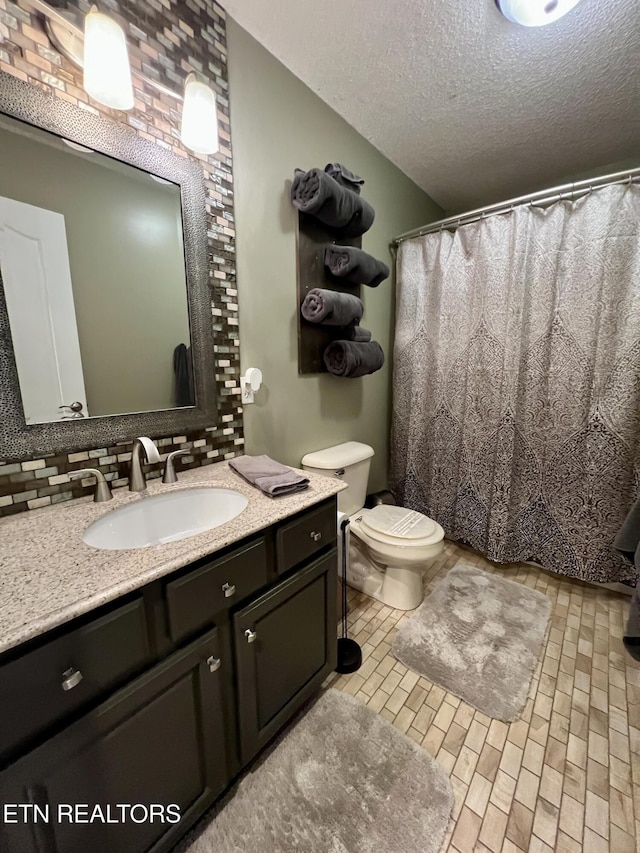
164, 518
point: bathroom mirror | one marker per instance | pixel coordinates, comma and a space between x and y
105, 319
92, 263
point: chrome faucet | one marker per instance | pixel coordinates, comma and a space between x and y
137, 481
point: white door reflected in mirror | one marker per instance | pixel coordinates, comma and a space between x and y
37, 283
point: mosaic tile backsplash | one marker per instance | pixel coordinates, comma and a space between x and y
172, 37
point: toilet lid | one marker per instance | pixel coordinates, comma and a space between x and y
389, 523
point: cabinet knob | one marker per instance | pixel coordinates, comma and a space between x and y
214, 664
229, 589
71, 678
315, 536
250, 635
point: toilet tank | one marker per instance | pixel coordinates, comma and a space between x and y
349, 461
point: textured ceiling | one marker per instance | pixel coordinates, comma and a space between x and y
473, 108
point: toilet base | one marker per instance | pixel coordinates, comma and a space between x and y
399, 587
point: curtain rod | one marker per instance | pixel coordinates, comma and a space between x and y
566, 191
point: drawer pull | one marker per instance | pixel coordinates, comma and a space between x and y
250, 635
229, 589
214, 664
71, 678
315, 536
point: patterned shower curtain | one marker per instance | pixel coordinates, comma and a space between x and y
516, 388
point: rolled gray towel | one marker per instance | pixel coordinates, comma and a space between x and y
331, 307
344, 176
317, 193
357, 333
352, 359
355, 265
269, 476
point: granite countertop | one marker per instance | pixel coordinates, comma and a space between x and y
49, 576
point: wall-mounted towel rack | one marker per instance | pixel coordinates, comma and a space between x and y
311, 239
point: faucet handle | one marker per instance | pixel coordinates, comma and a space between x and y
169, 474
102, 492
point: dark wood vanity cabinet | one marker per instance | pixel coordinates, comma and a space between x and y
224, 674
158, 741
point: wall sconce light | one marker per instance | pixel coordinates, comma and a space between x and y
535, 13
103, 54
107, 73
199, 130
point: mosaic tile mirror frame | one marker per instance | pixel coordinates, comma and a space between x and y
18, 439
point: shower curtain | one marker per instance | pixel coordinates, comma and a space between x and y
516, 385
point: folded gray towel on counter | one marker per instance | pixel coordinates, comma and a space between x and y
331, 307
355, 265
357, 333
269, 476
317, 193
352, 359
344, 176
628, 542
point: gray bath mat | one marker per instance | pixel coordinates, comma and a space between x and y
342, 780
480, 637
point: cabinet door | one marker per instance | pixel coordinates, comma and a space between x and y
160, 740
285, 647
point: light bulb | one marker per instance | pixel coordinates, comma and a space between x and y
199, 130
107, 73
535, 13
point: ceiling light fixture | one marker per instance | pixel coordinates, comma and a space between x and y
107, 73
535, 13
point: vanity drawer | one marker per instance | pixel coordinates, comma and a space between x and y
300, 539
194, 600
45, 685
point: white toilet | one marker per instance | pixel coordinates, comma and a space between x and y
389, 546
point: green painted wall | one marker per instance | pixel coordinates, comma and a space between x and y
279, 124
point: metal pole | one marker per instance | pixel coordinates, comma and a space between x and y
566, 191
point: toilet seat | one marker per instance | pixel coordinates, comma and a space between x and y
394, 550
396, 525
